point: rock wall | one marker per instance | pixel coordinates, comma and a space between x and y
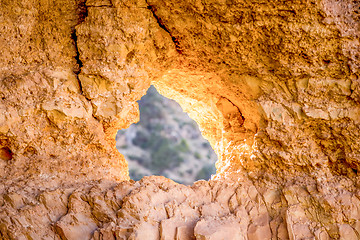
274, 86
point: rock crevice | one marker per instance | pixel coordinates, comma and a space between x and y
161, 25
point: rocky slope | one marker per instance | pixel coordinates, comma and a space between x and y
274, 86
165, 142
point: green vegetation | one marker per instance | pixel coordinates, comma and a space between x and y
135, 175
205, 172
166, 142
164, 156
140, 160
183, 146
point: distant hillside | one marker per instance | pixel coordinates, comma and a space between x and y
166, 142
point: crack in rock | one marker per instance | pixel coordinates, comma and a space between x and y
231, 112
83, 13
162, 25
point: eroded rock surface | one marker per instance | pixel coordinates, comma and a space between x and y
157, 208
274, 86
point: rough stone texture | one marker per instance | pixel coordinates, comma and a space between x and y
274, 86
157, 208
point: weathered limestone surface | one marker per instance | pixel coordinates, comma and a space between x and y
157, 208
274, 86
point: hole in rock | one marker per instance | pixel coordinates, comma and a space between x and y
167, 142
5, 154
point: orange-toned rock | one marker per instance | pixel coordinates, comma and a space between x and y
274, 86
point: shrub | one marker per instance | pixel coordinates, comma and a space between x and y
183, 146
205, 172
197, 155
163, 155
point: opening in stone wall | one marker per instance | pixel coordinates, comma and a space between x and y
167, 142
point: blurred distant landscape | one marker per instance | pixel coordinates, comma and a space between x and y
165, 142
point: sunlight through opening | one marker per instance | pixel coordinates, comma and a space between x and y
167, 142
